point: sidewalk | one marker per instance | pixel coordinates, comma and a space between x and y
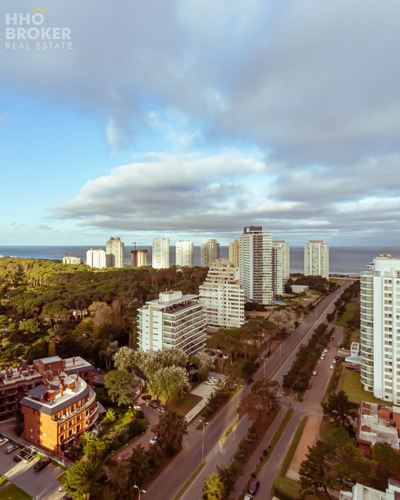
205, 392
258, 452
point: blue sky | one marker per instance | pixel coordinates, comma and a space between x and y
194, 119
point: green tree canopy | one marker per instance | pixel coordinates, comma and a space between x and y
170, 431
120, 386
168, 382
338, 409
315, 471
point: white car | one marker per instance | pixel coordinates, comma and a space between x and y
332, 367
248, 497
314, 373
213, 378
153, 440
3, 441
210, 382
322, 356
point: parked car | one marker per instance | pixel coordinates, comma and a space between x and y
331, 367
309, 385
213, 378
336, 358
10, 448
153, 440
137, 408
17, 457
153, 404
41, 464
254, 485
161, 409
3, 441
339, 344
146, 397
210, 382
248, 497
322, 356
314, 373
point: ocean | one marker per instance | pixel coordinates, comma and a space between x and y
342, 260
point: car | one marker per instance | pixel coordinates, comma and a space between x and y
98, 370
41, 464
153, 404
153, 440
210, 382
213, 378
17, 457
254, 485
333, 360
325, 350
309, 385
322, 356
3, 441
146, 397
328, 346
339, 344
314, 373
336, 358
331, 367
10, 448
137, 408
248, 497
331, 339
161, 409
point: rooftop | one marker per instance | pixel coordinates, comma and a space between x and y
374, 429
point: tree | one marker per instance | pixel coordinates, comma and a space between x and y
387, 464
29, 326
170, 431
352, 464
168, 382
314, 470
214, 488
206, 363
81, 480
120, 386
259, 403
108, 354
124, 359
338, 409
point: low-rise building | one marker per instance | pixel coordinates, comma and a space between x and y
361, 492
378, 424
69, 259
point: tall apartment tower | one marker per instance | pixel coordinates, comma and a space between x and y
280, 266
223, 295
96, 257
115, 253
380, 328
234, 253
184, 253
209, 252
172, 320
316, 259
256, 265
138, 257
160, 253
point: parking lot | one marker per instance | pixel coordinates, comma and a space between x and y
40, 485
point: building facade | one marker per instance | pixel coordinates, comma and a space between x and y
96, 258
256, 265
172, 321
184, 253
280, 266
69, 259
138, 257
209, 252
380, 328
316, 259
234, 251
223, 296
160, 253
115, 253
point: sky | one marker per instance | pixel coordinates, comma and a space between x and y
193, 119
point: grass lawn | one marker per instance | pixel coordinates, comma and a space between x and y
350, 383
348, 314
11, 492
182, 407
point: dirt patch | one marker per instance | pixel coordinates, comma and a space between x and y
308, 438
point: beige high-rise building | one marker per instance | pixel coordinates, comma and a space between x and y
316, 258
234, 249
96, 258
184, 253
209, 252
280, 266
139, 257
115, 253
223, 295
256, 265
160, 253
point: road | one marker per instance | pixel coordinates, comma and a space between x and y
169, 482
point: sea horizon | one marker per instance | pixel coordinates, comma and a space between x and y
342, 260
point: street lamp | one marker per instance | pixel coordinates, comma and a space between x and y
139, 490
202, 439
237, 400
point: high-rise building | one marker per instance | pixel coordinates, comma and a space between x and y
209, 252
256, 265
184, 253
316, 259
115, 253
160, 253
234, 249
96, 258
223, 295
172, 320
280, 266
138, 257
380, 328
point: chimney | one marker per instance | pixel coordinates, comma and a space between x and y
61, 390
73, 360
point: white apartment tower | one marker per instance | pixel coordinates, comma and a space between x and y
316, 259
280, 266
256, 265
380, 328
234, 249
160, 253
209, 252
138, 257
172, 320
96, 258
115, 253
184, 253
223, 296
